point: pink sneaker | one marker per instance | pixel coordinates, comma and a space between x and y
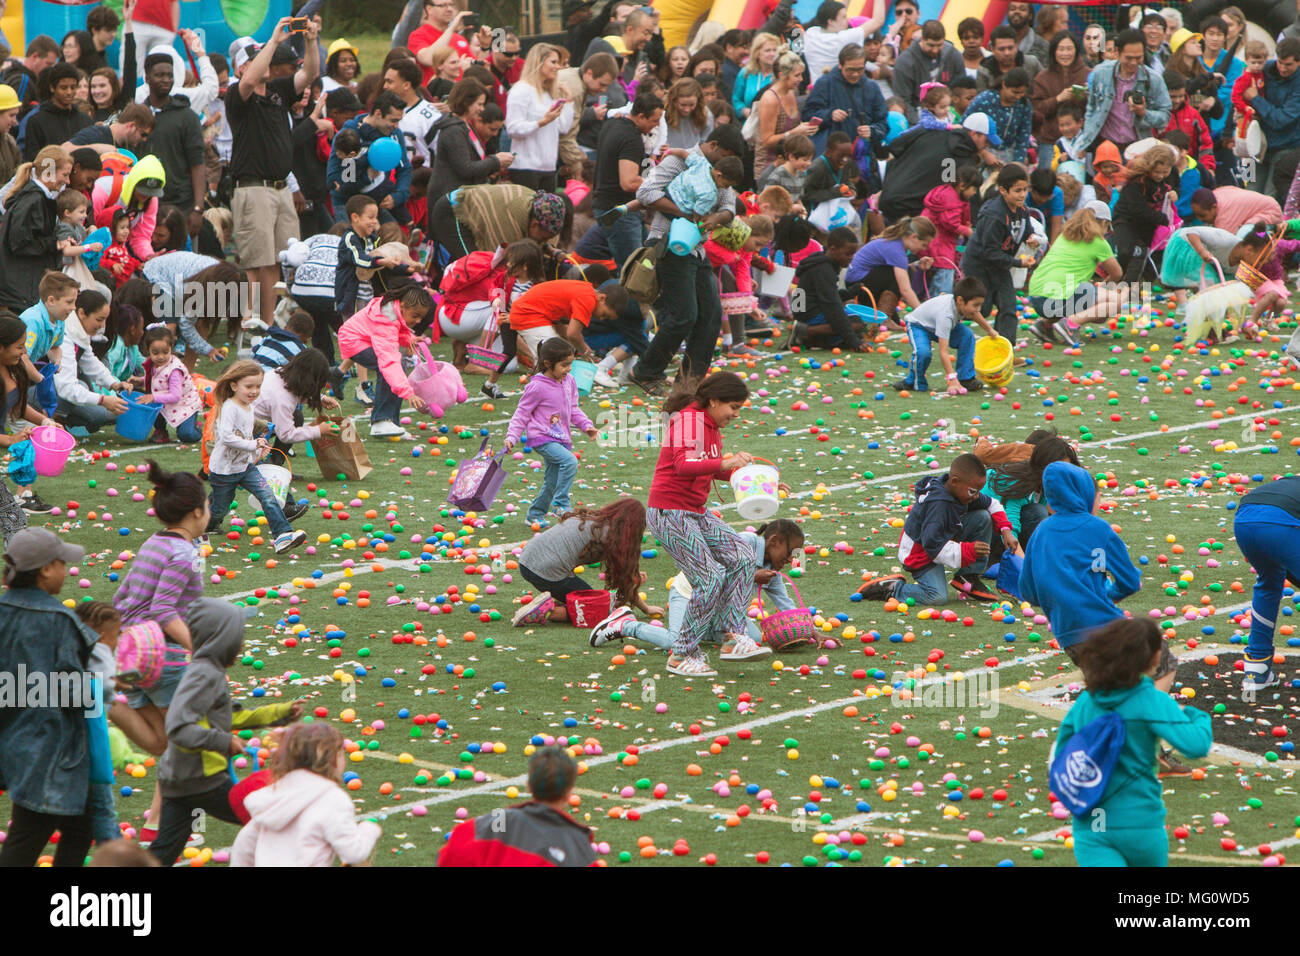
535, 611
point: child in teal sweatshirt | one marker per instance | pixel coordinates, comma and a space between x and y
1127, 828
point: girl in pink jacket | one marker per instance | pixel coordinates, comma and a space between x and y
305, 817
375, 338
948, 207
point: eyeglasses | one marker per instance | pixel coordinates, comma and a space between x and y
509, 53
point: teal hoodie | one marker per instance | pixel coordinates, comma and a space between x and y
1076, 566
1132, 799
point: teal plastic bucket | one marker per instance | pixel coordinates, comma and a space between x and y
584, 373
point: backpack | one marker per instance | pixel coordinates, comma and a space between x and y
640, 274
1081, 769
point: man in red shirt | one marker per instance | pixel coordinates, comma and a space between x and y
440, 17
506, 64
540, 832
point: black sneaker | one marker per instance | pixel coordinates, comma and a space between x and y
335, 379
657, 388
492, 390
614, 215
294, 510
368, 387
34, 505
905, 386
971, 384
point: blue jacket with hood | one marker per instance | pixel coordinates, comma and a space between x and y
1076, 566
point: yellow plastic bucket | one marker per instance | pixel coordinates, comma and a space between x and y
993, 358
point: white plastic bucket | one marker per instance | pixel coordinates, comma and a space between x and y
277, 479
756, 493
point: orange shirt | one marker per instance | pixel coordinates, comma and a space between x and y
556, 301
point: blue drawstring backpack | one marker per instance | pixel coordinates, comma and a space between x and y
1008, 579
22, 462
1081, 769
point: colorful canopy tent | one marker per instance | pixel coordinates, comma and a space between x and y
220, 21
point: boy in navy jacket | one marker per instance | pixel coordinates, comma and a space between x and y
950, 526
1076, 566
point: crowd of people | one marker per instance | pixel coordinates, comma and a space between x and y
542, 207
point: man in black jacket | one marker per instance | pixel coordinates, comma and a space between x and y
56, 119
42, 53
919, 160
177, 141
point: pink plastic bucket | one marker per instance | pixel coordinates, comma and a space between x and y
53, 445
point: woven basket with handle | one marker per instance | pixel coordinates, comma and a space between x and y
783, 630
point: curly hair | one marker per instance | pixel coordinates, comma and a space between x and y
616, 543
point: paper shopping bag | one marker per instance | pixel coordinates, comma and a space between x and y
341, 454
477, 481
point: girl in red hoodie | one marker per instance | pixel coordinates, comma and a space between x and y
948, 207
715, 560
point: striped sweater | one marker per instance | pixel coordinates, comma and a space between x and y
165, 580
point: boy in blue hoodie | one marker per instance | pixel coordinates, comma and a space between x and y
950, 526
1266, 525
1076, 566
1119, 661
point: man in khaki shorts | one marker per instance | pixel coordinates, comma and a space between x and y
261, 159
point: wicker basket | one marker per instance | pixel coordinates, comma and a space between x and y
1249, 273
784, 630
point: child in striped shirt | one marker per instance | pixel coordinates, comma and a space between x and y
164, 581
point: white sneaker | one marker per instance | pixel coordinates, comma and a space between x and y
693, 665
604, 380
254, 323
743, 648
611, 627
388, 430
1258, 676
290, 539
362, 397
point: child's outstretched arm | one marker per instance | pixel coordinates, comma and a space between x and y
1125, 579
353, 840
267, 714
1187, 729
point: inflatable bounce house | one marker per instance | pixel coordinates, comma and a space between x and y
220, 22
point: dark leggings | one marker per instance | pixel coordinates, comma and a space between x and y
31, 831
453, 237
178, 814
559, 589
327, 321
544, 182
509, 345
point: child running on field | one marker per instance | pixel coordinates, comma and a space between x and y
1119, 661
160, 588
236, 452
548, 409
305, 817
715, 560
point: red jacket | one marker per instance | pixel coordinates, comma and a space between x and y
1189, 120
690, 459
951, 217
531, 834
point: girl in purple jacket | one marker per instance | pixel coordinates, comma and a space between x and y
548, 408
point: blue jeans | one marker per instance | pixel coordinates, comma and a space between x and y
931, 585
657, 635
189, 431
387, 403
961, 340
103, 814
561, 469
251, 480
1273, 550
941, 281
90, 417
624, 237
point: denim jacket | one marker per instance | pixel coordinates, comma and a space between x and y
1101, 94
44, 750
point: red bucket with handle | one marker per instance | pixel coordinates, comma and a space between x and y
588, 608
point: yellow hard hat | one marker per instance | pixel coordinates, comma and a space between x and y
341, 44
8, 99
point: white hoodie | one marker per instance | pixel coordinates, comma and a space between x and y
303, 819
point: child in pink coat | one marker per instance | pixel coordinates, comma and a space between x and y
375, 338
948, 207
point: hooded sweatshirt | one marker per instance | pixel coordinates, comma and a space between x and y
201, 717
932, 526
303, 819
177, 141
817, 276
547, 409
991, 248
380, 326
1133, 797
951, 217
1076, 566
51, 126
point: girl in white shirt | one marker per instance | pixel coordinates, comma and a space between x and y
236, 452
536, 119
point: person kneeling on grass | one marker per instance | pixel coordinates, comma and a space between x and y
819, 317
940, 320
772, 544
950, 526
610, 536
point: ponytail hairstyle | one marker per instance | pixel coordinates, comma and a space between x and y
51, 157
409, 295
1257, 238
616, 543
305, 376
175, 493
90, 300
720, 386
95, 614
792, 234
314, 747
782, 528
916, 226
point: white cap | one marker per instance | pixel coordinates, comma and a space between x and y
1099, 209
983, 123
241, 51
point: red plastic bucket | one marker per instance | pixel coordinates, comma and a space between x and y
588, 608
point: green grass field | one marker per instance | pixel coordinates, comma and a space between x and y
724, 769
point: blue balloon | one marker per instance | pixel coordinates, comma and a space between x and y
385, 154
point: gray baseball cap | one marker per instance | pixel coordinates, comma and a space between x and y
34, 548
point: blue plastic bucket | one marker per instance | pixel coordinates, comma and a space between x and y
136, 423
683, 237
866, 313
584, 373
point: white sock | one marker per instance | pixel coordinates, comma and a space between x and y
608, 362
